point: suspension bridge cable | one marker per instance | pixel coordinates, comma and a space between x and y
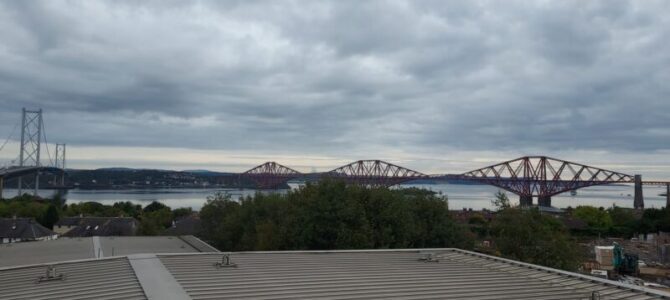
46, 144
10, 136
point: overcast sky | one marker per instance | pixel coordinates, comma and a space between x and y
438, 86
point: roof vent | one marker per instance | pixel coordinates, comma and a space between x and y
225, 262
51, 275
429, 257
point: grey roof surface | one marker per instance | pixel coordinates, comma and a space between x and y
23, 228
377, 274
61, 249
94, 279
117, 246
354, 274
82, 248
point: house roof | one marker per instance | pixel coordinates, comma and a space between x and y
353, 274
23, 228
189, 225
99, 226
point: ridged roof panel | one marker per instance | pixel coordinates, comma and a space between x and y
375, 275
99, 279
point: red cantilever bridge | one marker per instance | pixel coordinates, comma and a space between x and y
529, 177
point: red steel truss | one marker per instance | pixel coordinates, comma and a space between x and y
544, 176
374, 173
270, 175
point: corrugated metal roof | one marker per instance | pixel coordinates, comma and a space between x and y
379, 274
62, 249
353, 274
45, 251
93, 279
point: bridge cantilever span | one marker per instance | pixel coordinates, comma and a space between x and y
543, 177
270, 175
374, 173
529, 177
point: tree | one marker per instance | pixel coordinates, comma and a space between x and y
181, 212
154, 206
128, 208
599, 220
500, 200
624, 222
50, 217
529, 236
332, 215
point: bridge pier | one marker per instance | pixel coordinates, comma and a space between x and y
667, 196
525, 200
544, 201
2, 185
638, 200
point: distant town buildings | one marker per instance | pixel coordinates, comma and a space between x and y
96, 226
23, 229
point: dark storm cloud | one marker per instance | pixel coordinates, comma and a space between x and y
342, 77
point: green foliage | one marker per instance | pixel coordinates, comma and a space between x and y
501, 201
92, 209
154, 206
624, 222
654, 219
529, 236
128, 208
181, 212
598, 219
43, 211
332, 215
50, 217
155, 221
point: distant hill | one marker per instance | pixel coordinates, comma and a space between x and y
129, 178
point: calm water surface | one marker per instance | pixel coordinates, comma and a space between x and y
460, 196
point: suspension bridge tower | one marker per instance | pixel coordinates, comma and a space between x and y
31, 137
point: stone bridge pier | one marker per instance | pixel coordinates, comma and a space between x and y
638, 200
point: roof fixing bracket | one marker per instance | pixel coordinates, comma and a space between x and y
225, 262
51, 275
429, 257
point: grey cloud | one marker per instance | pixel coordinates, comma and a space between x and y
341, 77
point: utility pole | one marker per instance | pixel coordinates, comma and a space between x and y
31, 137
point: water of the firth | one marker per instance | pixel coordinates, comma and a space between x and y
460, 196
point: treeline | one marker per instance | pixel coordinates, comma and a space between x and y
525, 234
154, 217
332, 215
621, 222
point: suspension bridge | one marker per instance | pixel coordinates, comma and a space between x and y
532, 178
29, 161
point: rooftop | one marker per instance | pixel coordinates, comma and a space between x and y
95, 247
99, 226
23, 228
346, 274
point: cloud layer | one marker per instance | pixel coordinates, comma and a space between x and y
399, 80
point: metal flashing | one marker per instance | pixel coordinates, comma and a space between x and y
156, 281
